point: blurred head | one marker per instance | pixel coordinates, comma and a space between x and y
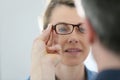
69, 31
103, 16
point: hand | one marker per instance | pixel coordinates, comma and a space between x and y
44, 56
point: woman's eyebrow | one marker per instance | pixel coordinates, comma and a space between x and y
69, 23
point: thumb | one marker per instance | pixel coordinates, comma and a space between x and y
56, 49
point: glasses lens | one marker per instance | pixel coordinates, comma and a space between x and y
82, 29
64, 28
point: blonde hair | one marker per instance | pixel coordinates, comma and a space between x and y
52, 4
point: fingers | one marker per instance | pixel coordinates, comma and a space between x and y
38, 51
54, 49
40, 42
50, 40
44, 43
46, 33
43, 63
48, 36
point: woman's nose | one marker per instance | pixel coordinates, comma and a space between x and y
72, 40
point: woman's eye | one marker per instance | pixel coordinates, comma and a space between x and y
82, 30
62, 29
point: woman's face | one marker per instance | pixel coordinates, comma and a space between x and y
75, 46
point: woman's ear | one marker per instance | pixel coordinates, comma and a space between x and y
91, 33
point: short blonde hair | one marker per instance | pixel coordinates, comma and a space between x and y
51, 6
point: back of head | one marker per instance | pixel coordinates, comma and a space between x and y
104, 16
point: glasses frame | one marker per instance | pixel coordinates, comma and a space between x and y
74, 25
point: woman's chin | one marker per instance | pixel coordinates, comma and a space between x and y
71, 63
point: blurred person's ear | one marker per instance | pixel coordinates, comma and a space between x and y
91, 33
81, 13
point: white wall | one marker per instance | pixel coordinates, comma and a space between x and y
18, 28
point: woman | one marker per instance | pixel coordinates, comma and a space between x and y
59, 52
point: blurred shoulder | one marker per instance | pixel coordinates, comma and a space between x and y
90, 74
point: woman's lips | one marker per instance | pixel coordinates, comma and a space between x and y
73, 50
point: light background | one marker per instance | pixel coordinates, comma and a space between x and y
18, 28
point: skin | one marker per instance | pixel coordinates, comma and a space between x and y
51, 59
73, 40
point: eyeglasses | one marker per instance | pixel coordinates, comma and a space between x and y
66, 28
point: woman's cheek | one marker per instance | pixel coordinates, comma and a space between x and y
61, 40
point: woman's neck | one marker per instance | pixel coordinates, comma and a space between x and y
65, 72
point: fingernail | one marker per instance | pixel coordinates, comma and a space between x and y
49, 26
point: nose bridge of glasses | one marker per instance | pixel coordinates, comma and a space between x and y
77, 25
53, 27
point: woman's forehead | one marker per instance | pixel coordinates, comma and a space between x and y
65, 14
